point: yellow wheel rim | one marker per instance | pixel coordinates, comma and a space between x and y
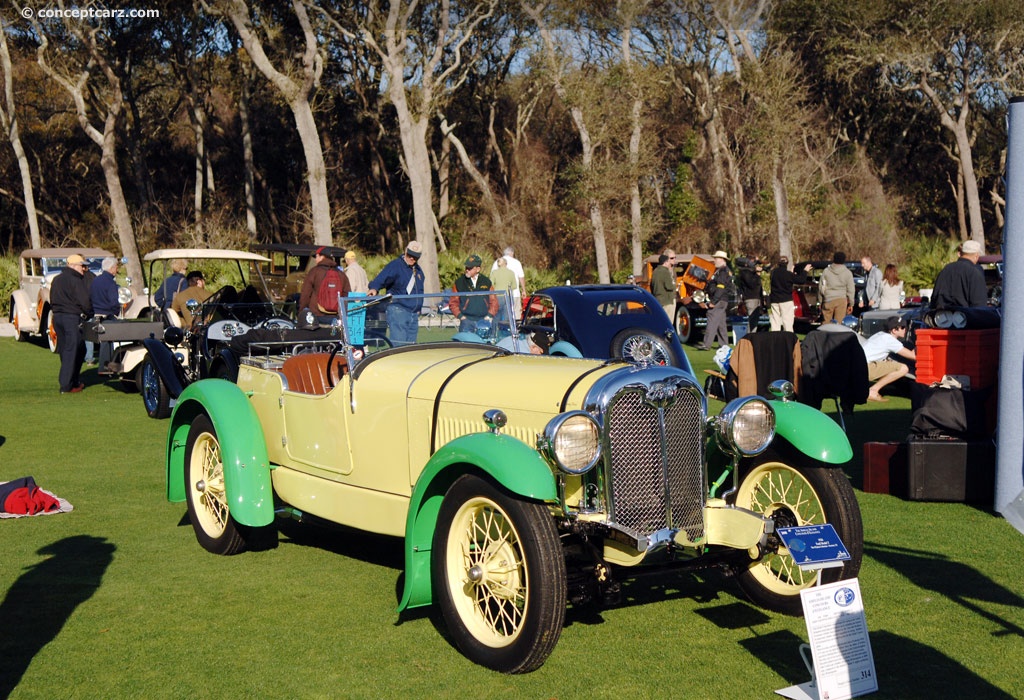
487, 572
206, 483
777, 490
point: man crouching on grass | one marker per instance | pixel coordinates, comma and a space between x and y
881, 369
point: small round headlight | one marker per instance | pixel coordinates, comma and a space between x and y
572, 441
746, 426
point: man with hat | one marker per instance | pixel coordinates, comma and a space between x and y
961, 282
196, 290
720, 290
357, 278
324, 263
402, 276
70, 304
882, 369
472, 310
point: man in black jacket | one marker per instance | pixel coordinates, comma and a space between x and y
720, 291
70, 303
781, 308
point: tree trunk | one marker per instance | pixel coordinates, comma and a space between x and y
636, 237
316, 171
247, 154
196, 115
119, 216
10, 122
782, 208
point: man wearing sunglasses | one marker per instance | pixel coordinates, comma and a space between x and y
70, 302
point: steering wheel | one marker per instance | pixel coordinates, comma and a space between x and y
330, 361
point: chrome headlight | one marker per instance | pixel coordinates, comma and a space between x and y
572, 441
746, 426
124, 296
700, 296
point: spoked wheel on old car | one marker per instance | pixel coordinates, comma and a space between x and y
641, 346
208, 508
49, 332
154, 392
795, 491
499, 576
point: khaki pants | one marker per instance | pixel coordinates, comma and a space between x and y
782, 315
834, 310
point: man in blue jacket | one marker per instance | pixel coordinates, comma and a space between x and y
401, 277
105, 304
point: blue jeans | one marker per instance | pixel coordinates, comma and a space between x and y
403, 325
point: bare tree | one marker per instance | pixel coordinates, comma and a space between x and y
296, 91
426, 53
107, 100
9, 119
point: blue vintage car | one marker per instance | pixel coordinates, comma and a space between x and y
604, 321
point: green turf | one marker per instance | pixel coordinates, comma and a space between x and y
117, 599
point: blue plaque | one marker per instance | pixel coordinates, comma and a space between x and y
814, 546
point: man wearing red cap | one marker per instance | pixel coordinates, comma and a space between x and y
70, 301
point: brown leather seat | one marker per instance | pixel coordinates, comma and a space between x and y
307, 373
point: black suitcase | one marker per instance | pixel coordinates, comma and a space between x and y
951, 470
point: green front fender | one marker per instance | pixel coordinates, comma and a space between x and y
242, 449
508, 461
812, 432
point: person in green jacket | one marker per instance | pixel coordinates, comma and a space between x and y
663, 283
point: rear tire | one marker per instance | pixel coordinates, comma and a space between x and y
207, 498
155, 397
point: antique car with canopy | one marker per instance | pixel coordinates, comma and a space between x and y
521, 483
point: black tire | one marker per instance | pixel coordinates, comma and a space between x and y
684, 324
640, 346
155, 397
793, 489
499, 576
208, 509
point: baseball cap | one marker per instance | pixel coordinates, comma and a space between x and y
894, 322
970, 248
414, 250
350, 255
473, 261
76, 259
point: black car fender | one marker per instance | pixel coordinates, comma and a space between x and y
172, 374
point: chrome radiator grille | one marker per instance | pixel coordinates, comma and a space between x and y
657, 475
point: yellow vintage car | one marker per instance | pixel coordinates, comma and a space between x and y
520, 483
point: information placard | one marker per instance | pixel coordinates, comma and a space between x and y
814, 546
838, 633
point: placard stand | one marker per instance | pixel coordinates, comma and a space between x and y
839, 654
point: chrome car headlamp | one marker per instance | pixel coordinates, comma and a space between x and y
746, 426
572, 441
700, 296
124, 296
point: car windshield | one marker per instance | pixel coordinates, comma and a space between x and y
467, 317
57, 264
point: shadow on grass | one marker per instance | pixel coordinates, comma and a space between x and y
910, 670
958, 582
43, 598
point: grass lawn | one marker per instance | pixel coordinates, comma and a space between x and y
117, 600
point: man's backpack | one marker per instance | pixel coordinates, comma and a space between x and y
330, 288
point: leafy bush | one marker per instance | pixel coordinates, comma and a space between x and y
927, 256
8, 276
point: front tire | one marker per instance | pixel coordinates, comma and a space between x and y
154, 392
499, 574
208, 509
796, 491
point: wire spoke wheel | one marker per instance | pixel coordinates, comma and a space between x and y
499, 576
795, 494
205, 491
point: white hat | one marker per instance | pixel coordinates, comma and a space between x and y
721, 254
970, 248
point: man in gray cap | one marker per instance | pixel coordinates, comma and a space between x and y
961, 282
402, 276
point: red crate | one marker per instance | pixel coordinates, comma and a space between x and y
972, 353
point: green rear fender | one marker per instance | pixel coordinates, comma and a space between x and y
812, 432
508, 461
242, 450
